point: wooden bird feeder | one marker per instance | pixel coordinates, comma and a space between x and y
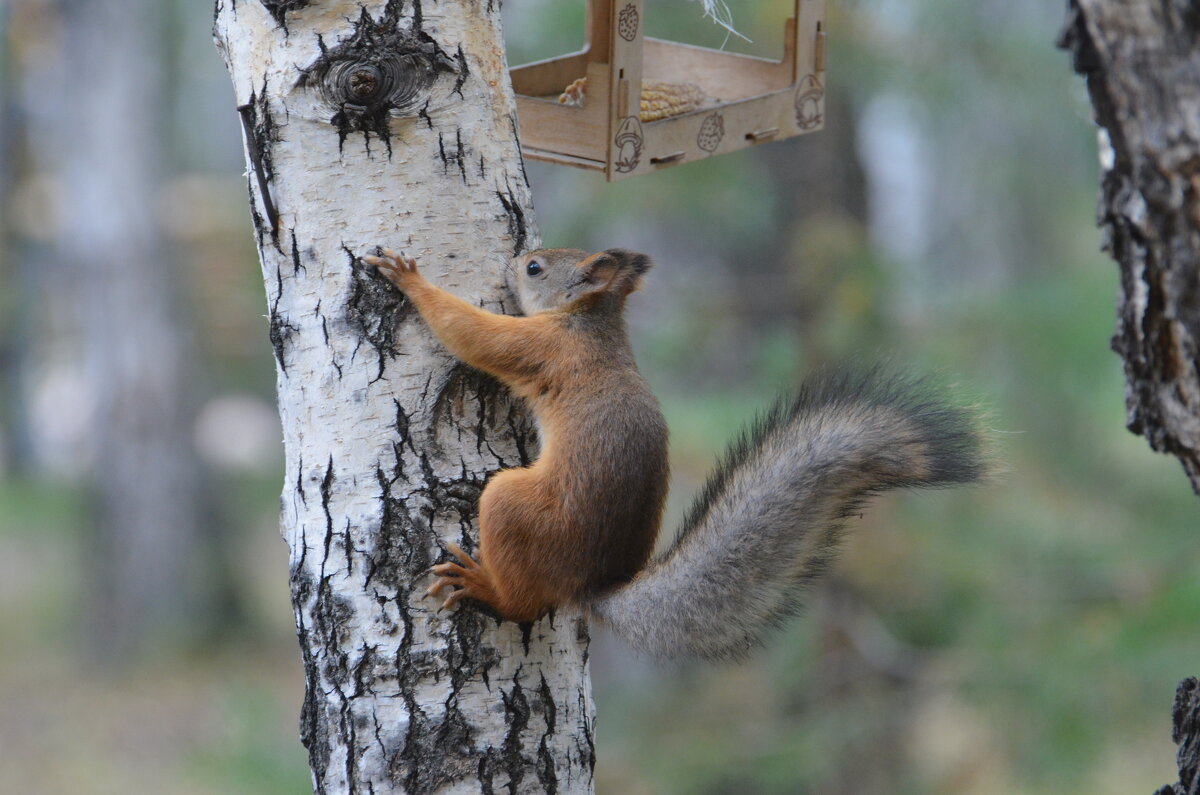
647, 104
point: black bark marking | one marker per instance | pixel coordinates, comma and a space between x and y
280, 330
379, 71
261, 134
520, 435
516, 714
462, 157
300, 482
324, 322
457, 157
279, 8
297, 265
583, 638
491, 405
314, 729
348, 547
526, 635
549, 710
404, 430
585, 743
374, 310
333, 617
424, 114
545, 759
401, 551
326, 492
463, 73
325, 336
514, 126
246, 112
516, 219
483, 774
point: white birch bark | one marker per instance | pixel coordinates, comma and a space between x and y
393, 123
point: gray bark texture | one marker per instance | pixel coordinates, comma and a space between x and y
392, 123
1185, 731
1142, 64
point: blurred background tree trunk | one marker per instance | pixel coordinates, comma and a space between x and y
368, 125
1142, 64
8, 346
95, 110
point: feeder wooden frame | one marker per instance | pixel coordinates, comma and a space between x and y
756, 99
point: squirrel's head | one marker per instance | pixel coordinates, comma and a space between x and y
552, 278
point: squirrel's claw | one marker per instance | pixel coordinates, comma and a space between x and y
439, 585
468, 578
466, 560
452, 599
392, 264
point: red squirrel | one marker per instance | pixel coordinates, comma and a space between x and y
578, 525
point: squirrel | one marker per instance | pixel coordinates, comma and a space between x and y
578, 526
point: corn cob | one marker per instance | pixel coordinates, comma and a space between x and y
658, 101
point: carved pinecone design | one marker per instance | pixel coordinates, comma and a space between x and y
711, 133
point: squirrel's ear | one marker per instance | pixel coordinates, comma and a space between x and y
615, 269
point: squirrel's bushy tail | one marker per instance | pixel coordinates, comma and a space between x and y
770, 516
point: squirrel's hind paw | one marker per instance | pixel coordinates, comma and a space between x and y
470, 580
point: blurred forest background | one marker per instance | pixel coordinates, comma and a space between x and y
1022, 637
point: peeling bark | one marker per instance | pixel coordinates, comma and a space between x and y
382, 125
1142, 64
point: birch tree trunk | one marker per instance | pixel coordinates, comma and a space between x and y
1142, 64
393, 123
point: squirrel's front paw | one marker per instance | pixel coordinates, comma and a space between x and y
399, 269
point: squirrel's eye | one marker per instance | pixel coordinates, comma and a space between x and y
534, 268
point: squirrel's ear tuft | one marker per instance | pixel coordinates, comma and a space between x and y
634, 263
616, 270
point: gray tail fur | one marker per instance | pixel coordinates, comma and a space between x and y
770, 517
